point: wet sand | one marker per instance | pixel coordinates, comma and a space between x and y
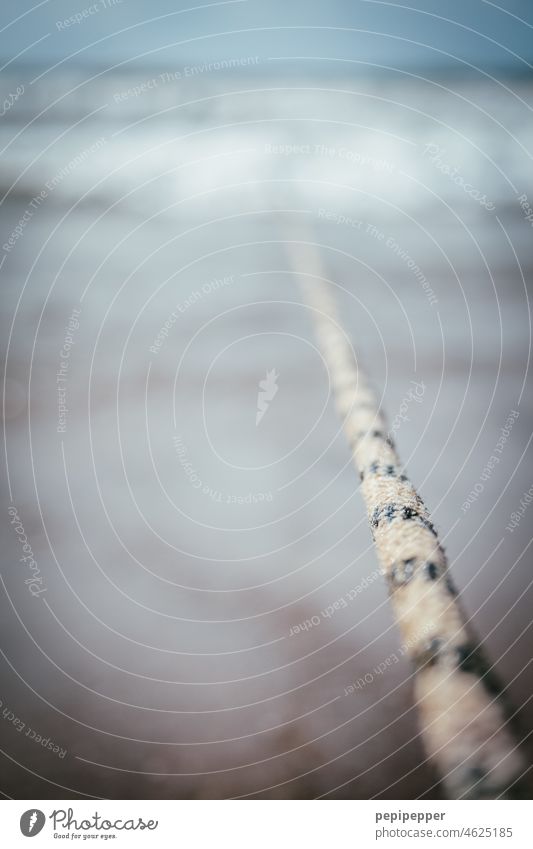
210, 583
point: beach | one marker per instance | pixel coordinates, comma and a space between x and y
208, 619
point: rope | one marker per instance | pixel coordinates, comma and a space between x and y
463, 720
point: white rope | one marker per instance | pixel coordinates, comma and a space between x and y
463, 723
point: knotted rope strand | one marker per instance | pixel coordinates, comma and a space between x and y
463, 723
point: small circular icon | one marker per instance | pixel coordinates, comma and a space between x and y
32, 822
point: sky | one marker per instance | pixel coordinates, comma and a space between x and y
400, 35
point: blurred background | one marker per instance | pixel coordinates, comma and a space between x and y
189, 588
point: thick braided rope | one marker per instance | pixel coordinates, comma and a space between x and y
463, 721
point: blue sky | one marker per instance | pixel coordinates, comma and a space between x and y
415, 33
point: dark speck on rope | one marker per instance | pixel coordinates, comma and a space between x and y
432, 571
